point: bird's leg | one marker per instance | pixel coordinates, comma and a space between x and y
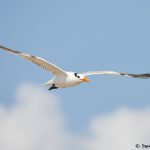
53, 87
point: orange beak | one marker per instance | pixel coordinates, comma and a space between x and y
85, 79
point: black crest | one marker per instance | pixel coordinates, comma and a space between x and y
76, 75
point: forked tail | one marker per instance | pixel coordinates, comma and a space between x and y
50, 82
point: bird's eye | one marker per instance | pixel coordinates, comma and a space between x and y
76, 75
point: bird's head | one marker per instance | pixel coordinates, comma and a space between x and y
81, 78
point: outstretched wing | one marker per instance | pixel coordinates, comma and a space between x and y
142, 76
37, 60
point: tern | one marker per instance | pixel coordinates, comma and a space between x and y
62, 78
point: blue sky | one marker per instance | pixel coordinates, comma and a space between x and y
79, 36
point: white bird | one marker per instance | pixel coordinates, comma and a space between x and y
63, 79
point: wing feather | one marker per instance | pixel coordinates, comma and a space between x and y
142, 76
37, 60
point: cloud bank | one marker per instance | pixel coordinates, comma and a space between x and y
121, 130
36, 122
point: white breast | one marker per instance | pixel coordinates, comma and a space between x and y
69, 80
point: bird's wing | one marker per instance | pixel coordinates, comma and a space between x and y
37, 60
142, 76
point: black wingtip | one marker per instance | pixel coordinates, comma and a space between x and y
9, 50
142, 76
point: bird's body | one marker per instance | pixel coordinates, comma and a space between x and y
63, 79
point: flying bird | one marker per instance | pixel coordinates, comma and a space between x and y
62, 78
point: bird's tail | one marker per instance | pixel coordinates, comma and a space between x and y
50, 82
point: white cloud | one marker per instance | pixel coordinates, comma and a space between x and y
122, 129
36, 122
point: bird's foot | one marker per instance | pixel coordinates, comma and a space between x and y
53, 87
